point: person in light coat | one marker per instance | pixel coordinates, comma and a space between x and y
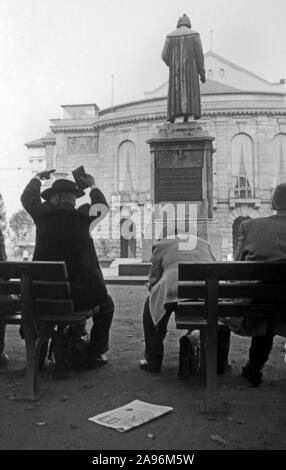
163, 288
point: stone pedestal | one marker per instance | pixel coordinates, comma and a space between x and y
182, 179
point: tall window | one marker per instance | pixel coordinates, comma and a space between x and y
126, 167
278, 159
242, 166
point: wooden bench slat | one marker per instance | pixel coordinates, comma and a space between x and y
9, 287
12, 319
192, 323
191, 309
51, 290
8, 305
256, 310
54, 307
232, 290
232, 271
233, 309
126, 280
40, 270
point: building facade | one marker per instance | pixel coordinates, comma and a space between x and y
243, 112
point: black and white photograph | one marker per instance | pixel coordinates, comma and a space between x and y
143, 230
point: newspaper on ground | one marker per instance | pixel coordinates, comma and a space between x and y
130, 416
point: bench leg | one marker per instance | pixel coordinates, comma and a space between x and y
202, 373
33, 350
213, 403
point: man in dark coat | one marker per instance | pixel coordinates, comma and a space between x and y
263, 239
62, 234
184, 56
3, 356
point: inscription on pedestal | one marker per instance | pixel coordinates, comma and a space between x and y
178, 184
178, 175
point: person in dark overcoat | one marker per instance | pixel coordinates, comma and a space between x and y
63, 234
262, 239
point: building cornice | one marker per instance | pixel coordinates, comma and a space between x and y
130, 120
57, 129
210, 113
260, 112
49, 140
206, 114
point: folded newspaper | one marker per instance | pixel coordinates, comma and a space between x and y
130, 416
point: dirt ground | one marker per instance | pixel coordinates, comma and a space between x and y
256, 417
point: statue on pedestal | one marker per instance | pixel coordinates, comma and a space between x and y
184, 56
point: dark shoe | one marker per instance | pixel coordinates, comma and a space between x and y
4, 360
252, 374
144, 365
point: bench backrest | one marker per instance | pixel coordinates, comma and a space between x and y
255, 289
45, 285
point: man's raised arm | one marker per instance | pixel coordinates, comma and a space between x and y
31, 197
98, 207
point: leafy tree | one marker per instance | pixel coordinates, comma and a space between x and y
22, 225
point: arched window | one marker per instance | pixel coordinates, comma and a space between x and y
221, 73
210, 74
242, 166
278, 159
126, 167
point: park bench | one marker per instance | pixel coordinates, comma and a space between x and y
209, 291
37, 296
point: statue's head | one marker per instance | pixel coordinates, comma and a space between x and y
184, 21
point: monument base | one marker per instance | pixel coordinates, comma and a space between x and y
182, 181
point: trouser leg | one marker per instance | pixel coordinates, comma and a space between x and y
260, 348
43, 354
2, 338
223, 344
155, 335
99, 334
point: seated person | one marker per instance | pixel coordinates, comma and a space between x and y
161, 302
3, 356
62, 234
263, 239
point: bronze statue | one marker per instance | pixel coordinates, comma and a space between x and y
184, 56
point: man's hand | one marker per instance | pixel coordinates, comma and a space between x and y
203, 78
87, 180
45, 175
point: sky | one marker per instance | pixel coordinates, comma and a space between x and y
55, 52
